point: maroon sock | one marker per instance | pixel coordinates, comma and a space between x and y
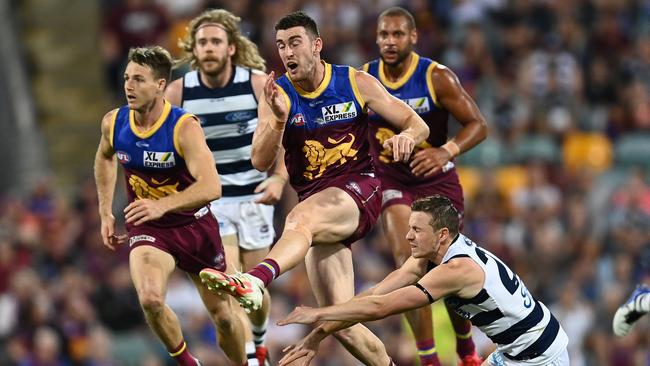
182, 355
427, 353
464, 342
266, 271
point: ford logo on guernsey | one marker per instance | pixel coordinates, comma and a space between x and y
123, 157
240, 116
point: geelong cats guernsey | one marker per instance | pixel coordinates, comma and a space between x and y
522, 327
228, 116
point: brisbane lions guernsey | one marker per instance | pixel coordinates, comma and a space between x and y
153, 162
326, 132
416, 90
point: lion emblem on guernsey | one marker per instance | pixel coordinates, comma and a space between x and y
142, 189
320, 157
386, 156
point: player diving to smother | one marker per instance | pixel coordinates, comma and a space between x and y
474, 282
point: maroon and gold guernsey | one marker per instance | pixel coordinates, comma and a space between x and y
153, 161
415, 89
325, 137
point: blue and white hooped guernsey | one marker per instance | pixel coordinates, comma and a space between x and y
522, 327
228, 116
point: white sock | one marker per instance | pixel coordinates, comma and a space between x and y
259, 332
250, 354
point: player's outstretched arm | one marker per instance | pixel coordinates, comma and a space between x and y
200, 163
394, 111
460, 276
105, 170
410, 272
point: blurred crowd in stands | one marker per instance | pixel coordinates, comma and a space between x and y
559, 189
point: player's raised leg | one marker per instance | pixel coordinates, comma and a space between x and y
337, 219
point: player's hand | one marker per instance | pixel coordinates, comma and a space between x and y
275, 99
301, 315
109, 238
143, 210
272, 188
305, 350
401, 145
430, 160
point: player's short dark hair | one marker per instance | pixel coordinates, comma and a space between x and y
298, 19
396, 11
156, 57
442, 211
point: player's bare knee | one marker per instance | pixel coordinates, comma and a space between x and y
152, 303
224, 323
349, 336
298, 223
223, 316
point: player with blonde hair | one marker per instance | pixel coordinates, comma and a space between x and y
226, 81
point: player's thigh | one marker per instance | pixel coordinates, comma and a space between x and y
150, 268
394, 219
231, 248
330, 272
330, 215
250, 258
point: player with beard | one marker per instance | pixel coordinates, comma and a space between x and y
318, 112
170, 179
434, 92
222, 90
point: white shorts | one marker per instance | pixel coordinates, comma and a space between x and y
251, 222
497, 359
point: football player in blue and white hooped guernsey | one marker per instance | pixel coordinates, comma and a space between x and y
223, 91
479, 286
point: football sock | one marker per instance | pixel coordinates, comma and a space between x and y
182, 355
250, 354
266, 271
259, 332
427, 353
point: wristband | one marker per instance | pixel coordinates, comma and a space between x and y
452, 148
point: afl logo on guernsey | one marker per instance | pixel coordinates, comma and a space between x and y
297, 120
122, 157
339, 111
158, 159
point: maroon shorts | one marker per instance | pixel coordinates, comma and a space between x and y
194, 246
447, 184
365, 191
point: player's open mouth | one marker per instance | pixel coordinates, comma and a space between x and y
130, 97
292, 65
